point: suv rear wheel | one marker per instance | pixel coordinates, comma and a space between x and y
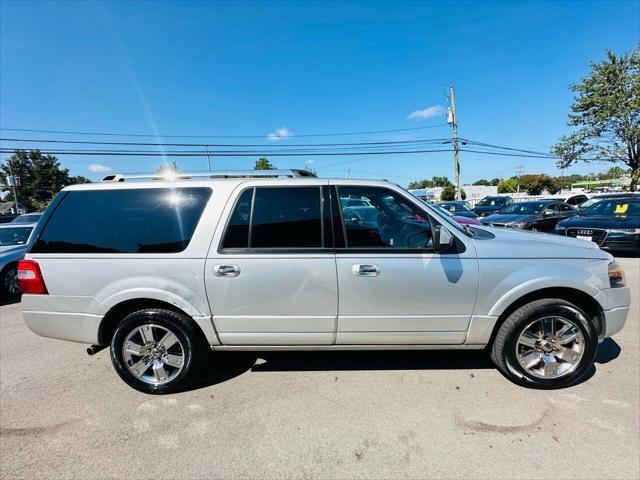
547, 344
157, 351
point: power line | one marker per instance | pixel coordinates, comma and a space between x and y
113, 134
206, 145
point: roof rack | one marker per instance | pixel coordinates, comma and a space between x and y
293, 173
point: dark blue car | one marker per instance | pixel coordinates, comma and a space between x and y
614, 224
491, 204
457, 208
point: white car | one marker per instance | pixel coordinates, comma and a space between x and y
164, 270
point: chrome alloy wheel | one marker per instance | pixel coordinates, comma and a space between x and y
153, 354
10, 280
550, 347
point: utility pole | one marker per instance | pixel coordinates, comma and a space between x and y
12, 183
519, 171
452, 119
208, 158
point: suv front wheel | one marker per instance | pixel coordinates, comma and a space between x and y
547, 344
157, 351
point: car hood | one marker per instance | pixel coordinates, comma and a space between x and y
513, 243
8, 249
508, 218
488, 208
582, 221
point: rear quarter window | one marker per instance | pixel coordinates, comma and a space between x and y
149, 220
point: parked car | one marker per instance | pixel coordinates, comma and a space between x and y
538, 215
461, 209
605, 196
573, 200
27, 218
613, 224
13, 245
459, 219
165, 270
491, 204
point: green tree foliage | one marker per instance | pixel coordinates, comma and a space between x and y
263, 164
482, 182
606, 115
537, 183
508, 185
448, 193
434, 182
40, 178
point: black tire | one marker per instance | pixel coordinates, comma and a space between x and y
190, 341
503, 349
9, 273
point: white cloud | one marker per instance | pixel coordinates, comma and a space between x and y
309, 162
429, 112
97, 167
280, 134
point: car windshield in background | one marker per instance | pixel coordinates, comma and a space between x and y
28, 218
526, 208
624, 207
14, 236
455, 207
490, 202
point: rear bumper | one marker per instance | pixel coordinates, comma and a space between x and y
75, 327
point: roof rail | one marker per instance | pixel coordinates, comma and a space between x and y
293, 173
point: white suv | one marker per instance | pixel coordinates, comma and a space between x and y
162, 270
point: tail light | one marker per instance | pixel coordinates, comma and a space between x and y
30, 277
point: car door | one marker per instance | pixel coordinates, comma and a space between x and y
270, 273
550, 216
393, 287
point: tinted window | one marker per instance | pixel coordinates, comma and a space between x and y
614, 208
390, 221
237, 234
286, 217
565, 208
14, 236
525, 208
150, 220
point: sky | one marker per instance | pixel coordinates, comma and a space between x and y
278, 71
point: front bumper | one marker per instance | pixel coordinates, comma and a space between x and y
615, 315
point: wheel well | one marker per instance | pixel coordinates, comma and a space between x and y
118, 312
7, 266
579, 298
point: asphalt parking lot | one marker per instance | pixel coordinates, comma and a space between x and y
414, 414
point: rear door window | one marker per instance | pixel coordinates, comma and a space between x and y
276, 218
149, 220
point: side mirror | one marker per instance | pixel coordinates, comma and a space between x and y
443, 239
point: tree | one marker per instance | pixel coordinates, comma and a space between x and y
40, 177
482, 182
167, 169
448, 193
507, 185
310, 170
535, 184
441, 181
263, 164
420, 184
495, 181
606, 114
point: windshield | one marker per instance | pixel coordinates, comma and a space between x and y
525, 208
14, 235
624, 207
492, 201
29, 218
455, 207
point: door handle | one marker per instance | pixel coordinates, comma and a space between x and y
226, 270
365, 270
